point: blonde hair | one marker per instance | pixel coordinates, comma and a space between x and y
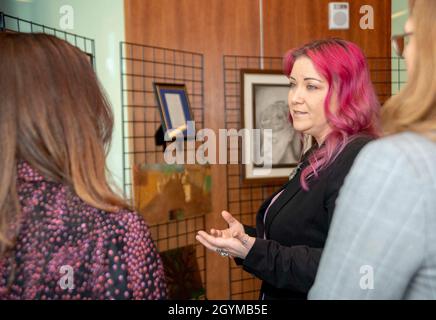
414, 108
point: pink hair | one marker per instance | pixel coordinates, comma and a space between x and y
343, 65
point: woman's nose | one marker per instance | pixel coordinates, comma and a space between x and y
296, 97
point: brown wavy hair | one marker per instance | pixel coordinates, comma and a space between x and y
54, 116
414, 108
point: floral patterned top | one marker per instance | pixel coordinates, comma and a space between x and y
67, 249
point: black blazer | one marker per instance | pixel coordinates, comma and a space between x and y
296, 229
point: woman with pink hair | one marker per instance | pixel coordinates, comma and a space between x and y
331, 99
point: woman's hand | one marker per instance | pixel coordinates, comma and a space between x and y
234, 226
232, 241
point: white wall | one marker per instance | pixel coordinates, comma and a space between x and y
101, 20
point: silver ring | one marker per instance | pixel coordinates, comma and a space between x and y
222, 252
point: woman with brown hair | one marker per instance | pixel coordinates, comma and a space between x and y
382, 242
64, 234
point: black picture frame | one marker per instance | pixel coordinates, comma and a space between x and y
174, 108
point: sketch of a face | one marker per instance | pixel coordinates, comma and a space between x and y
275, 117
282, 145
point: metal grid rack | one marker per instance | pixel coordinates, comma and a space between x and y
180, 233
14, 24
387, 75
244, 200
141, 66
399, 74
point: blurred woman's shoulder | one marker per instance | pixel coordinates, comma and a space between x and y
415, 149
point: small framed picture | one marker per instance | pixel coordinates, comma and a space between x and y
174, 107
264, 105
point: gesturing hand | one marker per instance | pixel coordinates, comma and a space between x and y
232, 241
234, 226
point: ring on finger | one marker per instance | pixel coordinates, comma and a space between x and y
222, 252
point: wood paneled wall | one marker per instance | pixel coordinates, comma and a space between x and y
232, 27
291, 23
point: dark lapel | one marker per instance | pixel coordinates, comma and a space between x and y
290, 191
261, 212
291, 188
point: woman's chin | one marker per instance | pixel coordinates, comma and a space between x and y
299, 129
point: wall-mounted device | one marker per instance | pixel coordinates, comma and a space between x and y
339, 15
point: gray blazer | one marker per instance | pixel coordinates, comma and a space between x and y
382, 240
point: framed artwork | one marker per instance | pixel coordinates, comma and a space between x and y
167, 192
264, 105
174, 108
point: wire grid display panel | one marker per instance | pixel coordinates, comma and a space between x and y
244, 200
399, 74
387, 75
141, 66
181, 233
14, 24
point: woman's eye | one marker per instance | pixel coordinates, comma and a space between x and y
311, 87
291, 85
